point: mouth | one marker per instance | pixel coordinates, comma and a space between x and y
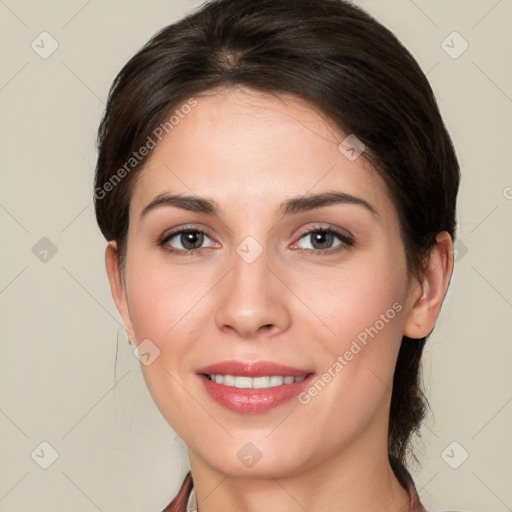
254, 387
264, 382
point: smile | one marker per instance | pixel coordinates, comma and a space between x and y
253, 387
254, 382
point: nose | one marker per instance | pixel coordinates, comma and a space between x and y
253, 300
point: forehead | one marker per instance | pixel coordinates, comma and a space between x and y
243, 147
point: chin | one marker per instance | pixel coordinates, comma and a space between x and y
243, 458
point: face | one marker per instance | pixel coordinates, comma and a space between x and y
286, 253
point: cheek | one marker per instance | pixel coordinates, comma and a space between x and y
164, 300
359, 296
363, 307
166, 308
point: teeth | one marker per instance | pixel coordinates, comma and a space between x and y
260, 382
276, 381
228, 380
256, 382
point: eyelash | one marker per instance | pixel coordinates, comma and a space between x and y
347, 241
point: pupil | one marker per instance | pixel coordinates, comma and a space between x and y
189, 237
322, 235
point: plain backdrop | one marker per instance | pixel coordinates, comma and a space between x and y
68, 376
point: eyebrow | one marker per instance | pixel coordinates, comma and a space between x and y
289, 207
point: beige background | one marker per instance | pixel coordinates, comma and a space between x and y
61, 381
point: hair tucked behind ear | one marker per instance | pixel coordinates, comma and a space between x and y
347, 65
408, 404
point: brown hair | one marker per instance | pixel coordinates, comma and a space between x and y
343, 62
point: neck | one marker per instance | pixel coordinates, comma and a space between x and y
359, 479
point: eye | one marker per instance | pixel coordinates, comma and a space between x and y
321, 240
188, 241
184, 241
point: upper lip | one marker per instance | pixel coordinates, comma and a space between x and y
252, 369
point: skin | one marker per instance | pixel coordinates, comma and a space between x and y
248, 152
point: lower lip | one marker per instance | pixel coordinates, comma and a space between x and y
250, 400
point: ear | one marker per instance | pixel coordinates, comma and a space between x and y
427, 298
117, 287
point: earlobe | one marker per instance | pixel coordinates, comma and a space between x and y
426, 300
117, 287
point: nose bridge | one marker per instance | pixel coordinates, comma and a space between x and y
251, 266
251, 297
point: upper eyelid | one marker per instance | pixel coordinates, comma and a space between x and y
177, 231
318, 227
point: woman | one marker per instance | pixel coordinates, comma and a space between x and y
278, 192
